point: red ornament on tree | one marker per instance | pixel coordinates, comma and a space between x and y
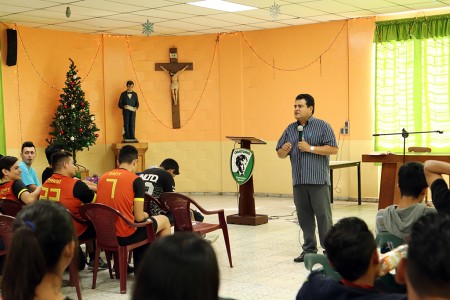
72, 83
65, 106
96, 135
82, 103
80, 130
61, 132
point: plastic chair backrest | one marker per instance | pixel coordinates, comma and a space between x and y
179, 206
103, 218
312, 259
10, 207
6, 227
384, 237
149, 198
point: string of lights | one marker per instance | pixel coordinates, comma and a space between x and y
201, 95
297, 68
19, 35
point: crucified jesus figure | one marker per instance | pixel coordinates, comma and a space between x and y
174, 82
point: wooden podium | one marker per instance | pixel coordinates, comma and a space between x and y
141, 147
246, 213
390, 163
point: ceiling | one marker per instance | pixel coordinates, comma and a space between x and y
175, 17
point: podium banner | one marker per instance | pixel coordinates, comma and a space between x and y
241, 163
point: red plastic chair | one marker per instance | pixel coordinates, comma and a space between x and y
73, 268
179, 206
10, 207
149, 198
103, 217
6, 227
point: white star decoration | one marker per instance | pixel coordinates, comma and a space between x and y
147, 28
274, 10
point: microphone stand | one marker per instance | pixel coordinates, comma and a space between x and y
405, 135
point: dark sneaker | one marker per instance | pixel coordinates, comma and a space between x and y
101, 264
301, 258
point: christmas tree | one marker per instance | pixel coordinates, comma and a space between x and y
73, 124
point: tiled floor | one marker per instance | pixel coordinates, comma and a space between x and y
262, 255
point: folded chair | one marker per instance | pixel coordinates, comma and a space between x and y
103, 218
179, 206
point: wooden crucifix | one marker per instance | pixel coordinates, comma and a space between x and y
174, 69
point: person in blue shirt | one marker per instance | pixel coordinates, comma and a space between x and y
29, 177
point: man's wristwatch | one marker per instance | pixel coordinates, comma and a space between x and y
311, 149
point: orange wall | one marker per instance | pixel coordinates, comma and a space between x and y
243, 94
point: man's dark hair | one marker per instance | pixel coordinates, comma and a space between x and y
129, 82
350, 246
59, 158
27, 144
6, 162
428, 265
127, 154
308, 99
170, 163
52, 148
173, 265
411, 179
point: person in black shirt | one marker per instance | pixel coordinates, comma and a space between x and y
129, 103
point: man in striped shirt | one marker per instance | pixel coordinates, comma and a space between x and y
309, 142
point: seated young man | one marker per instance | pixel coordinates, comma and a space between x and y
159, 180
52, 148
439, 188
352, 251
123, 190
11, 186
398, 219
62, 186
426, 268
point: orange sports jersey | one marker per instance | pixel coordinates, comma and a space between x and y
115, 189
12, 190
61, 188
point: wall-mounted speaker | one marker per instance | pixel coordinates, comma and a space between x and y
11, 54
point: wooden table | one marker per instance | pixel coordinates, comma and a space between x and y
390, 163
346, 164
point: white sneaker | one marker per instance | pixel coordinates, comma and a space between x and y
211, 237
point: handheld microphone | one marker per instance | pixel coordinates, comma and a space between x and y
300, 133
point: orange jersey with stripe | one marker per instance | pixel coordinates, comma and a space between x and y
63, 189
12, 190
119, 189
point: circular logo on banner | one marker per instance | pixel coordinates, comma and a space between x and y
241, 164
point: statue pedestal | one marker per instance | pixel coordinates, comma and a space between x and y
141, 147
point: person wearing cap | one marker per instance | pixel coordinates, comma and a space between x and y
159, 180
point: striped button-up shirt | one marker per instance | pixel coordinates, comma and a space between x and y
307, 167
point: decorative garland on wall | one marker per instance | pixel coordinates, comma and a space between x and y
272, 65
100, 43
201, 95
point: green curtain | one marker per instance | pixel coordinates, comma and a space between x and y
415, 28
412, 83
